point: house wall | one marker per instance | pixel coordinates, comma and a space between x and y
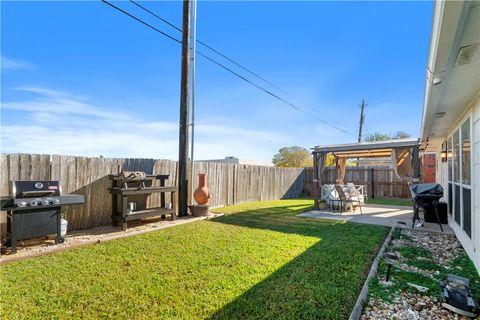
476, 175
471, 244
429, 167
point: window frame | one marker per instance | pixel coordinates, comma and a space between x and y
451, 177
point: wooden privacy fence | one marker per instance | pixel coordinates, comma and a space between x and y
380, 181
229, 183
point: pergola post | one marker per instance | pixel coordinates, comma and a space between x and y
416, 163
318, 167
341, 167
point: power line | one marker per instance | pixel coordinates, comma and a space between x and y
228, 69
141, 21
273, 94
232, 61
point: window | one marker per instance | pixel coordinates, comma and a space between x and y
456, 156
466, 152
456, 204
449, 159
449, 175
450, 198
467, 211
459, 177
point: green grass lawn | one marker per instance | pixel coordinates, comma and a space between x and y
259, 261
391, 201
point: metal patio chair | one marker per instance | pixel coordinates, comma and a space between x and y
358, 191
344, 200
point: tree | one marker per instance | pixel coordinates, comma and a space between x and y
377, 136
330, 161
401, 135
292, 157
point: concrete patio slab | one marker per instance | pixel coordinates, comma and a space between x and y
378, 215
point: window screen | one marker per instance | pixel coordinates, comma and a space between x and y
456, 204
466, 152
450, 198
456, 156
467, 212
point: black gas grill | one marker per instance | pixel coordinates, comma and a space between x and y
34, 210
425, 196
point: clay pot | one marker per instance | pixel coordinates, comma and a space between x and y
202, 194
322, 205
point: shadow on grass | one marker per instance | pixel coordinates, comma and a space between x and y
279, 218
321, 283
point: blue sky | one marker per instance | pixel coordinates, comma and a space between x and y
78, 71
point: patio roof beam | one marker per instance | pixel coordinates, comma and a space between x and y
363, 154
368, 146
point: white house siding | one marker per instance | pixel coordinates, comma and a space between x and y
476, 178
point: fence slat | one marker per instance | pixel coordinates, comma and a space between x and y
229, 183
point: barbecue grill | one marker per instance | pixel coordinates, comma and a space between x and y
34, 210
426, 195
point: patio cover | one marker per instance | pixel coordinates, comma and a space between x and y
404, 154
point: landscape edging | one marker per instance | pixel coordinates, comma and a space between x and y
362, 297
9, 259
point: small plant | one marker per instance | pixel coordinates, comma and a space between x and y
412, 252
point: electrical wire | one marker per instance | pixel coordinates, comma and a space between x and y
233, 61
228, 69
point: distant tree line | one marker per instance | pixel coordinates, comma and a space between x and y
298, 157
378, 136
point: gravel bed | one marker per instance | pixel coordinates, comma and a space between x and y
415, 306
408, 306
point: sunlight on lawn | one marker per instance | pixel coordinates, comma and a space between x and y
258, 261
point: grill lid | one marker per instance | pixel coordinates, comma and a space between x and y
35, 189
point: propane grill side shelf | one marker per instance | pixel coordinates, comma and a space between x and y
139, 214
148, 190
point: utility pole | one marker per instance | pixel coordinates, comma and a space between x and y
184, 113
192, 141
362, 120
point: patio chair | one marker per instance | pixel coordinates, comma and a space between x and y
329, 195
344, 200
357, 191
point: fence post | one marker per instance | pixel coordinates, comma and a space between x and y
371, 188
234, 187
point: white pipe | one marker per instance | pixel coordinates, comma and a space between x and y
194, 49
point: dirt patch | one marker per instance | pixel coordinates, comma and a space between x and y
76, 238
